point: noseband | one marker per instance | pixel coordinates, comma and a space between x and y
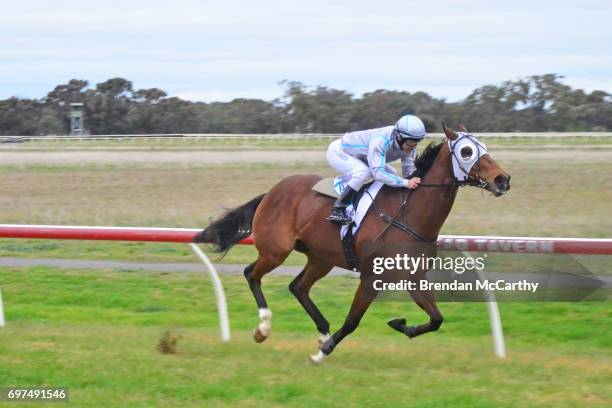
466, 181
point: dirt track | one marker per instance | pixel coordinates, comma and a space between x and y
204, 157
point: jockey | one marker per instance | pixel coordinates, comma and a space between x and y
365, 154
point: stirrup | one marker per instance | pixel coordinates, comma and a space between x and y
338, 216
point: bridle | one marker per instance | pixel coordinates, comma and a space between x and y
466, 181
481, 150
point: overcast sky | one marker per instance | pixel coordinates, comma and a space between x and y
217, 51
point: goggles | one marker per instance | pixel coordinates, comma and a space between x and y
411, 141
407, 136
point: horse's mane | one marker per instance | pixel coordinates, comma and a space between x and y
424, 160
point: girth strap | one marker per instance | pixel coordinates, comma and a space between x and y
348, 245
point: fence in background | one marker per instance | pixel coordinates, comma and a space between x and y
283, 136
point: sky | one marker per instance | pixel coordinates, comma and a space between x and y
221, 50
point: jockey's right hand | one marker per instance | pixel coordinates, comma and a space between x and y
413, 183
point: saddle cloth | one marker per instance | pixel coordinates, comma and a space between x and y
365, 197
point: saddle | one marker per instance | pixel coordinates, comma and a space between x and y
326, 187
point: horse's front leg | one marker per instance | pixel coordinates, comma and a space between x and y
362, 300
314, 270
425, 299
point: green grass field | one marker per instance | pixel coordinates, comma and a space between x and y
548, 198
97, 331
289, 143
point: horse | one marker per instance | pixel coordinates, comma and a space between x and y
291, 216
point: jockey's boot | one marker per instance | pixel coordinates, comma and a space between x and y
338, 215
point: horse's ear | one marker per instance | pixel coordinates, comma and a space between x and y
450, 133
463, 128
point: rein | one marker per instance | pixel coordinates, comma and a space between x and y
480, 183
392, 221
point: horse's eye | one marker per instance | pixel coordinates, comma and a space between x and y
466, 152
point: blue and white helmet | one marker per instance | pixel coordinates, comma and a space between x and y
410, 127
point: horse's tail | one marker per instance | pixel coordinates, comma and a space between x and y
235, 225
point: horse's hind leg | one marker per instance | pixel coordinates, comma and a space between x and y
427, 302
253, 274
314, 270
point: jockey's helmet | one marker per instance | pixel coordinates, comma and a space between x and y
410, 127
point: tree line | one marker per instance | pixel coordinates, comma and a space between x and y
532, 104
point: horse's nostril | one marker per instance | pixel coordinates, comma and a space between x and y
502, 182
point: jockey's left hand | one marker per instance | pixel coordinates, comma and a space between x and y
413, 182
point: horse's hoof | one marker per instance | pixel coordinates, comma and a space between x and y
410, 331
322, 339
317, 358
258, 336
328, 346
397, 324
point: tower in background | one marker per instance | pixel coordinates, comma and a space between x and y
76, 118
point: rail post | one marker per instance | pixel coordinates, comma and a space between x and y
497, 331
1, 311
219, 292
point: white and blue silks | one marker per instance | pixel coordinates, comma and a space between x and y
360, 156
366, 154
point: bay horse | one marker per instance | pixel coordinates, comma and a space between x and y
291, 216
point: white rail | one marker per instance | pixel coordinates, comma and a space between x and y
283, 136
497, 331
1, 311
219, 292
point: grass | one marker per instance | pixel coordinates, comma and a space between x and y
175, 144
97, 333
308, 142
548, 198
128, 251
